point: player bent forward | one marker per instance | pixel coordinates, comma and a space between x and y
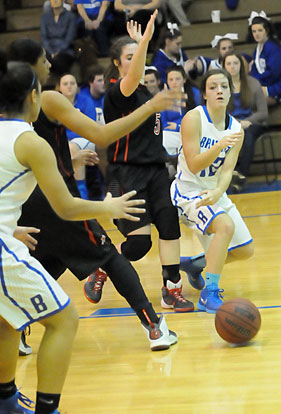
211, 141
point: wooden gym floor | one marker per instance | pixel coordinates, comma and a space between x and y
114, 371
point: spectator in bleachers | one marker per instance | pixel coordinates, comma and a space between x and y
152, 80
266, 64
58, 31
177, 8
96, 20
247, 105
171, 120
170, 51
67, 4
95, 90
224, 44
69, 88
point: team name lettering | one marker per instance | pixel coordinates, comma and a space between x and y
207, 142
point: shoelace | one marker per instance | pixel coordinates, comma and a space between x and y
100, 279
217, 292
25, 400
177, 294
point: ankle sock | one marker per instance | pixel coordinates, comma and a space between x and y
171, 272
46, 403
212, 278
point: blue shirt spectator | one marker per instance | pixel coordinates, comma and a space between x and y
170, 52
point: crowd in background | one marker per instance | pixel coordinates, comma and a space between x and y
92, 25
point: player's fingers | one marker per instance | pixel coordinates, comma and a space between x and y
134, 202
32, 230
131, 218
129, 194
137, 210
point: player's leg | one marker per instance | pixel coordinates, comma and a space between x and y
193, 266
240, 253
9, 345
169, 252
54, 357
127, 283
222, 228
165, 217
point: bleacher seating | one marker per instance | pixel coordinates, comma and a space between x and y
25, 22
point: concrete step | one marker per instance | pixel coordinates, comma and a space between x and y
200, 34
23, 19
247, 48
200, 10
32, 3
7, 38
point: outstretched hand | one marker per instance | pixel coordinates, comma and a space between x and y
168, 99
123, 207
134, 29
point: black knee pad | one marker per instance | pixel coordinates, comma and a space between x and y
136, 246
167, 223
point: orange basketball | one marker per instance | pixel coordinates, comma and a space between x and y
237, 321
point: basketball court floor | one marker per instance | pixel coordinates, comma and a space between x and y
113, 369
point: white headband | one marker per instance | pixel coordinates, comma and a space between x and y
255, 14
217, 38
151, 68
172, 27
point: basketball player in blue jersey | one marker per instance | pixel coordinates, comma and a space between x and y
28, 293
83, 246
211, 141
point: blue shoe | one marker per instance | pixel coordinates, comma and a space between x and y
210, 299
193, 272
17, 404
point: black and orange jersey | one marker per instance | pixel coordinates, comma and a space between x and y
144, 144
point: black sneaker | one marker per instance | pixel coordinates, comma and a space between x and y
160, 337
173, 299
94, 284
193, 272
24, 348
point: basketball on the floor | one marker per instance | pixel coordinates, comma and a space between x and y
237, 321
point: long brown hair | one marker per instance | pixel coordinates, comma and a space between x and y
211, 73
245, 92
115, 53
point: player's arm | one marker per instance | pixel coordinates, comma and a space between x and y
210, 197
132, 79
229, 165
191, 132
57, 107
35, 153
